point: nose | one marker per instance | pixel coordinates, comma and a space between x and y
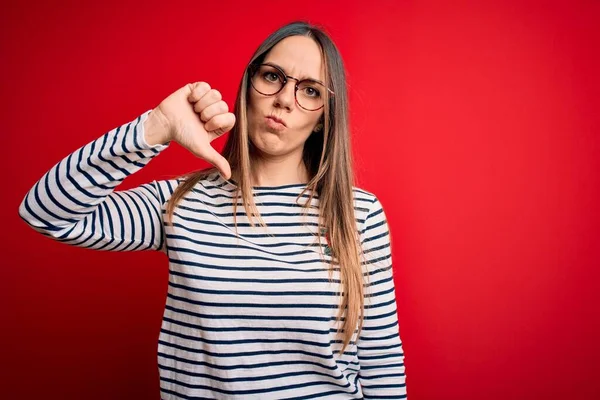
286, 98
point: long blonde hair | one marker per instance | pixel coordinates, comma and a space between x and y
327, 156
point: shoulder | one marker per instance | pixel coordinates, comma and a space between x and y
369, 211
366, 201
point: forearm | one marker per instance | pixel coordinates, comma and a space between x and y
73, 189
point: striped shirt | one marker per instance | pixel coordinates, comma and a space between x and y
249, 314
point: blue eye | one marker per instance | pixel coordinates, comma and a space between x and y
311, 92
271, 76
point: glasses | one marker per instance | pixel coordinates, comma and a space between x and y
268, 79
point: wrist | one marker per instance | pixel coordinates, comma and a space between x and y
156, 128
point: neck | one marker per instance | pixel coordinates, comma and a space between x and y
275, 171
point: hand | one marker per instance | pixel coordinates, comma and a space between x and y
193, 116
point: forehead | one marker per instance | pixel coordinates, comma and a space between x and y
299, 56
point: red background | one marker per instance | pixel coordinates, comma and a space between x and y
477, 126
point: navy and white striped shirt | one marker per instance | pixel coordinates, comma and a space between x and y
249, 315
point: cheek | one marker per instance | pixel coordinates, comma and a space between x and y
257, 108
305, 123
252, 115
256, 101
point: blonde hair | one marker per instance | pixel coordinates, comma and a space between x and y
327, 156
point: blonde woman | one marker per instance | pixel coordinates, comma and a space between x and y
280, 269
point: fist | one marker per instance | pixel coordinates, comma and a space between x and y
194, 116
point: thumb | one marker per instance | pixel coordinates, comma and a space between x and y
215, 158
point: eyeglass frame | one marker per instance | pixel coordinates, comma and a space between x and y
254, 67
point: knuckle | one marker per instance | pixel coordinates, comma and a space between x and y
210, 125
224, 107
231, 118
200, 89
204, 116
203, 86
218, 122
215, 95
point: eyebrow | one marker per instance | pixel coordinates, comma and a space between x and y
280, 67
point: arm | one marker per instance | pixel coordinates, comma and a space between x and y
380, 352
75, 202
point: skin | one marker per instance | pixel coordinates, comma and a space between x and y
278, 156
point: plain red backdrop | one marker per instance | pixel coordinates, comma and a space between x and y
477, 126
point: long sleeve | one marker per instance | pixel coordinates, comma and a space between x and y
380, 352
75, 202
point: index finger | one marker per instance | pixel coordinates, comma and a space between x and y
197, 91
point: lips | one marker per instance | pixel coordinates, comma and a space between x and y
277, 120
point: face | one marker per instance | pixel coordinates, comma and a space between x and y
299, 57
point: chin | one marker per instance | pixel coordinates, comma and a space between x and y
271, 150
266, 143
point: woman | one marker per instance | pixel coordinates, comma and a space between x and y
274, 255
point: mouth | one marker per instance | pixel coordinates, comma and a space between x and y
275, 124
279, 120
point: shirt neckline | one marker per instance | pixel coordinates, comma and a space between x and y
233, 183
